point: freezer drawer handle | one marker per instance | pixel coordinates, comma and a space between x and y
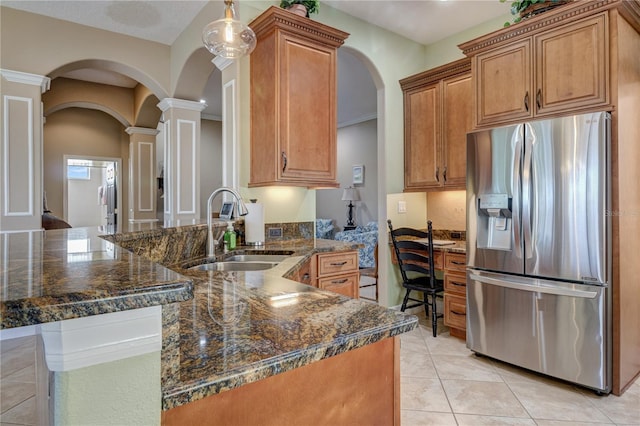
532, 288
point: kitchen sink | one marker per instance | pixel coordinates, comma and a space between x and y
243, 262
235, 266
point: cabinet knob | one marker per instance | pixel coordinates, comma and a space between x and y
444, 174
437, 174
284, 161
539, 98
526, 101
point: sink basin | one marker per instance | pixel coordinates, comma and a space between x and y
243, 262
235, 266
277, 258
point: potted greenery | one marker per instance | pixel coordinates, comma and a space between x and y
522, 9
301, 7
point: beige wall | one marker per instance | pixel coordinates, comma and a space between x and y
40, 45
447, 210
210, 163
76, 131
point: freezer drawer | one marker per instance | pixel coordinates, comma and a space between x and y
559, 329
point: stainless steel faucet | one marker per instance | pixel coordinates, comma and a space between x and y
242, 211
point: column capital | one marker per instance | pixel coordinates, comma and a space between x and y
221, 63
168, 103
142, 131
26, 78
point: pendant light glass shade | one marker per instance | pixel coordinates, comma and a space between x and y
228, 37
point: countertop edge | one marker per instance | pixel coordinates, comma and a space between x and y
179, 396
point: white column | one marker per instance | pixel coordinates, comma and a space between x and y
230, 121
181, 159
21, 150
105, 368
142, 174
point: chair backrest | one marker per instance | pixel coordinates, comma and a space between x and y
413, 255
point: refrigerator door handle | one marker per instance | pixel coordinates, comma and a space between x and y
507, 282
527, 179
516, 200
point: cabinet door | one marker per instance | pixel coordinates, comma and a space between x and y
571, 66
503, 83
422, 133
346, 284
307, 119
457, 120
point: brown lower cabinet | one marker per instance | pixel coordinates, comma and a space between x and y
337, 272
361, 386
455, 294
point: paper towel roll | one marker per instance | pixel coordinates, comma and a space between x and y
254, 224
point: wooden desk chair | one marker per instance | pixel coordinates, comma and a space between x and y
415, 261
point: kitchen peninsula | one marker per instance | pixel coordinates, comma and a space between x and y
235, 346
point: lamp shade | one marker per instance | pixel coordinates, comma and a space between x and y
228, 37
350, 194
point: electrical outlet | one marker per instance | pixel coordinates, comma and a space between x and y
455, 235
402, 206
275, 232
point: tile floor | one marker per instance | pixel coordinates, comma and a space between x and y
442, 383
18, 381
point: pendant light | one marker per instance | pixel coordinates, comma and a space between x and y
228, 37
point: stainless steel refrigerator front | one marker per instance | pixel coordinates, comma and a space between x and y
538, 252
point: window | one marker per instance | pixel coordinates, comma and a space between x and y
78, 172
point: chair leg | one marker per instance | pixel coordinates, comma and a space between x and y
425, 298
405, 300
434, 315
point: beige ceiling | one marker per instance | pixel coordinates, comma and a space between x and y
162, 21
424, 21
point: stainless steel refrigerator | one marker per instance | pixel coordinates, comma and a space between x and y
538, 247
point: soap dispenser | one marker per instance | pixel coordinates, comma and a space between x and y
229, 237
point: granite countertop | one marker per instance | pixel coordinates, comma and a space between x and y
245, 326
221, 330
71, 273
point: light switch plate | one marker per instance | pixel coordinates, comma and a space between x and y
402, 206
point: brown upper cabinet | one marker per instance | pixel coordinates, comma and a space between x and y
542, 72
437, 117
293, 101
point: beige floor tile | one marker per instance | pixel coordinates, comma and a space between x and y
15, 360
564, 423
559, 401
483, 398
445, 344
426, 418
23, 414
413, 342
24, 343
623, 409
418, 393
14, 393
26, 375
465, 367
474, 420
417, 364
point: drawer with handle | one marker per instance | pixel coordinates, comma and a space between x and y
455, 262
332, 263
455, 283
455, 311
346, 284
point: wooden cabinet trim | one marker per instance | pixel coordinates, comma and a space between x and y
562, 15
